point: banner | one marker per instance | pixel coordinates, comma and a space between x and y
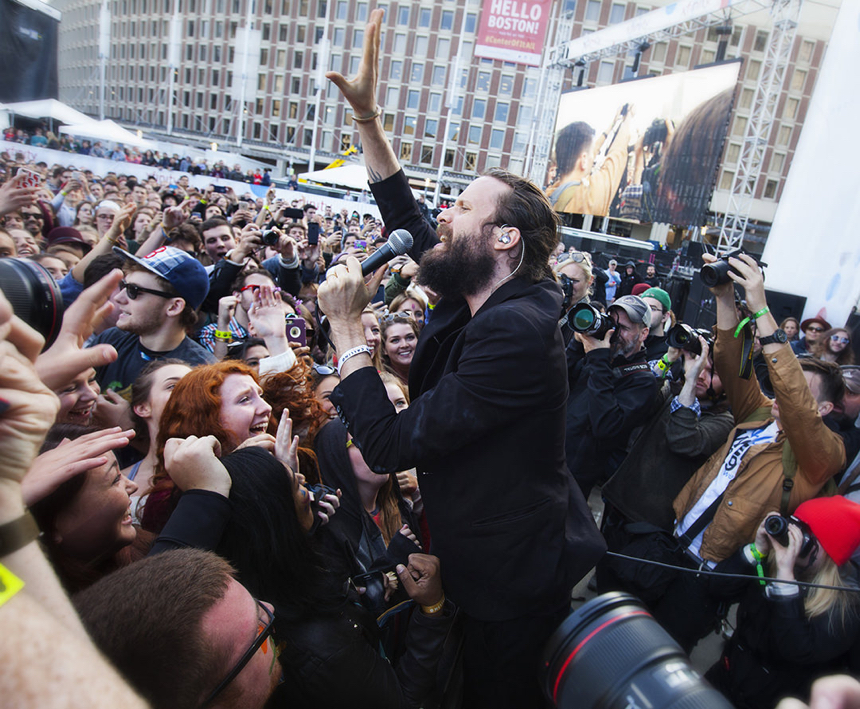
645, 150
513, 30
28, 38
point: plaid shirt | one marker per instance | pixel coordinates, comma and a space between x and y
207, 334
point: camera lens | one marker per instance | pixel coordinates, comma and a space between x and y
612, 654
270, 237
583, 318
777, 527
715, 274
34, 295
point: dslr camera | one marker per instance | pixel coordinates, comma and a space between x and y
777, 527
717, 273
684, 337
588, 320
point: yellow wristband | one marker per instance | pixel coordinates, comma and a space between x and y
9, 584
224, 335
435, 608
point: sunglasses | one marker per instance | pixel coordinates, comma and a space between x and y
324, 370
811, 328
839, 338
32, 215
132, 290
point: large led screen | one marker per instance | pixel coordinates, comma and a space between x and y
645, 150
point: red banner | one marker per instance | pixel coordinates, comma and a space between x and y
513, 30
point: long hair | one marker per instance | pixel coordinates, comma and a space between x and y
388, 322
141, 390
527, 208
821, 347
194, 409
274, 556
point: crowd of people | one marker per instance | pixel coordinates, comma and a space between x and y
266, 479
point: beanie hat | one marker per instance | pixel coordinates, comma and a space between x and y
661, 295
639, 289
835, 522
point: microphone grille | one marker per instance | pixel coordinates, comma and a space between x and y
400, 241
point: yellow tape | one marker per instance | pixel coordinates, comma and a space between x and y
9, 584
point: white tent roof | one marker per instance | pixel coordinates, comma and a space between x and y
107, 131
353, 177
46, 108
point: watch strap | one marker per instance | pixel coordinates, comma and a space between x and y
778, 337
18, 533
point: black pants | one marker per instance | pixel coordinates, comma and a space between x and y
501, 660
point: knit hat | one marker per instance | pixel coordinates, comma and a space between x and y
639, 289
835, 522
661, 295
67, 235
184, 272
636, 308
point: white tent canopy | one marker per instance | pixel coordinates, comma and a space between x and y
46, 108
353, 177
106, 131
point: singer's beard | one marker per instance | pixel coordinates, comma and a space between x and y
460, 267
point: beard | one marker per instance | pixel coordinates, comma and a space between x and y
460, 267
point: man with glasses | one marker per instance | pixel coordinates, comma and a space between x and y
157, 303
196, 638
106, 212
660, 304
811, 329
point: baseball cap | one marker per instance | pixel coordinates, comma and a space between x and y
184, 272
636, 308
661, 295
851, 375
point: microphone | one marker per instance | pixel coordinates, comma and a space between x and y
398, 244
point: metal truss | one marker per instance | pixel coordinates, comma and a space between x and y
733, 227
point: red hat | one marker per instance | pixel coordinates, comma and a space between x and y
640, 288
821, 321
835, 522
67, 235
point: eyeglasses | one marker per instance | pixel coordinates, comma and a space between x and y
132, 290
812, 328
264, 630
324, 370
839, 338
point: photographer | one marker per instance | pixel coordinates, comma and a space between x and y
721, 506
612, 391
787, 636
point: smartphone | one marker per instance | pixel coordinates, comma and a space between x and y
220, 189
28, 177
361, 245
79, 176
296, 331
291, 213
173, 187
313, 234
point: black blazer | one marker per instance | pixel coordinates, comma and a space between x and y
486, 432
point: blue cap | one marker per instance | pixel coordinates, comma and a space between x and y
179, 268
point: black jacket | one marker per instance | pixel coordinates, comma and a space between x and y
486, 432
609, 398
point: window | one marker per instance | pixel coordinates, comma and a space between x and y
409, 125
475, 135
592, 11
682, 58
309, 138
506, 85
447, 22
425, 14
261, 82
392, 98
406, 152
301, 34
427, 154
746, 98
339, 36
784, 136
358, 38
282, 33
726, 180
443, 48
439, 75
298, 60
501, 112
807, 49
435, 103
604, 72
296, 85
733, 153
276, 109
264, 57
431, 127
791, 107
400, 44
471, 162
403, 15
658, 52
753, 70
388, 122
279, 85
471, 22
449, 158
213, 102
740, 126
777, 163
497, 139
521, 138
412, 99
258, 108
342, 9
483, 82
770, 189
361, 12
479, 109
417, 73
345, 142
760, 43
396, 71
420, 47
798, 80
354, 63
616, 14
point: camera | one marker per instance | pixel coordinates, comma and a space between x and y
777, 527
590, 321
684, 337
34, 295
717, 273
612, 654
270, 237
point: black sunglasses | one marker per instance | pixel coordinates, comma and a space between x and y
265, 630
132, 290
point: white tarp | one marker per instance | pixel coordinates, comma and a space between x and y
353, 177
46, 108
107, 131
813, 249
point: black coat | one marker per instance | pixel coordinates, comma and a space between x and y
486, 432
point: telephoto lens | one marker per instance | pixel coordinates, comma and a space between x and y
590, 321
683, 337
777, 527
612, 654
34, 295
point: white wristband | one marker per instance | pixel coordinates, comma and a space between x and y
352, 353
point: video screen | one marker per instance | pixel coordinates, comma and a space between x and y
645, 150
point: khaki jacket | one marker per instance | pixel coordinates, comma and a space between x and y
757, 487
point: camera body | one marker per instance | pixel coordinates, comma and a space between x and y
270, 237
777, 527
684, 337
588, 320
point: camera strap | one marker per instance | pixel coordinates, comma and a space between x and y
747, 341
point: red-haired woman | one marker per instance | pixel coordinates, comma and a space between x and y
222, 400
